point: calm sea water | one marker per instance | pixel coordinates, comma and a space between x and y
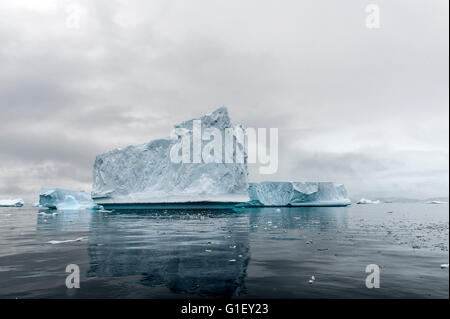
244, 253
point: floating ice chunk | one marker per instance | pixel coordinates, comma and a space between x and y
12, 202
437, 202
444, 266
63, 199
47, 214
367, 201
55, 242
146, 174
297, 194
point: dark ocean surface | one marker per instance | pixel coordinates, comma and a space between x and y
241, 253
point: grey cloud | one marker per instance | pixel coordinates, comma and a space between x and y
336, 90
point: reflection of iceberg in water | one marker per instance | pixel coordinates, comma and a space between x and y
190, 252
64, 221
194, 253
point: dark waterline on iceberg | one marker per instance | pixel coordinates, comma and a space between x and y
244, 252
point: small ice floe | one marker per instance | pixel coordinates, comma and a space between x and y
269, 223
367, 201
308, 242
55, 242
44, 214
47, 214
277, 210
208, 250
444, 266
104, 211
312, 280
233, 246
232, 260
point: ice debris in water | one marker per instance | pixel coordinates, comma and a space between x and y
12, 202
63, 199
444, 266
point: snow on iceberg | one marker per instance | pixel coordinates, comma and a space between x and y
63, 199
297, 194
13, 202
145, 173
367, 201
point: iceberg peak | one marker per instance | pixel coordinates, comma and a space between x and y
146, 173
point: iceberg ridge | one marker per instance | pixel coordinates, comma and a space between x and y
297, 194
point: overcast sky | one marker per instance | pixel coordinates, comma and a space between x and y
364, 107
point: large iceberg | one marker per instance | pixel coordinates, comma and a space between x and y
297, 194
13, 202
146, 174
64, 199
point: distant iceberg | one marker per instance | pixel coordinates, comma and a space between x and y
145, 173
436, 202
14, 202
367, 201
63, 199
297, 194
